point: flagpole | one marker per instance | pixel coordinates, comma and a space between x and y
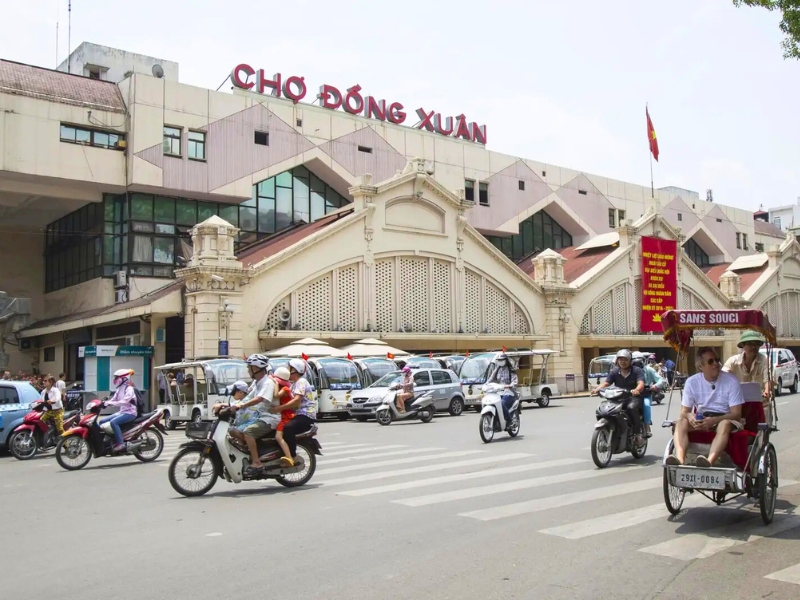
650, 152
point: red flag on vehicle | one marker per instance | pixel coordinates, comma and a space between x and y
467, 354
349, 357
504, 348
651, 136
304, 356
389, 355
430, 354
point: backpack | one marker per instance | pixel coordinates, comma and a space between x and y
141, 405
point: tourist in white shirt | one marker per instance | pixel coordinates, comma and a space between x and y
718, 397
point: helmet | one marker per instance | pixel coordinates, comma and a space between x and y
623, 354
259, 361
282, 373
637, 362
298, 365
406, 369
238, 386
122, 377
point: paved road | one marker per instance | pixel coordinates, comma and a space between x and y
405, 511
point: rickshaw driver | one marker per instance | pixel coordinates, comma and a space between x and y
718, 396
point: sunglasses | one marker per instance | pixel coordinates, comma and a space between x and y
712, 361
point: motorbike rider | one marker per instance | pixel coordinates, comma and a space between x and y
407, 385
260, 396
303, 403
652, 384
124, 397
628, 377
51, 395
505, 373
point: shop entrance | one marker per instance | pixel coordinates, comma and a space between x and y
175, 334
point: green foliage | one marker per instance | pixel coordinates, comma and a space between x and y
790, 22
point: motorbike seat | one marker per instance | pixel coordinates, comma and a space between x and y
143, 418
308, 433
71, 413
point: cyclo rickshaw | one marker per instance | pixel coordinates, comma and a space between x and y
749, 465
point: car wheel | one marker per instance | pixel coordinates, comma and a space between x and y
456, 406
793, 387
779, 391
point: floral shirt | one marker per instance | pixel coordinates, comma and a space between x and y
308, 403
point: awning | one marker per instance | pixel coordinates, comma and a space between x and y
165, 300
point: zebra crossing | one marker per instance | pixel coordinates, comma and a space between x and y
408, 476
412, 482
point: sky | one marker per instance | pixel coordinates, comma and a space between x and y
563, 82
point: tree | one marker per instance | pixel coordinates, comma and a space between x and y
790, 22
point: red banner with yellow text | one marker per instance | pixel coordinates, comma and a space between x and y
659, 281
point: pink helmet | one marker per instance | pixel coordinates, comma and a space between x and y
406, 369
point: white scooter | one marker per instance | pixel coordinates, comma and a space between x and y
211, 453
492, 417
421, 407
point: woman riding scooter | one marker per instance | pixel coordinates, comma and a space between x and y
407, 385
505, 374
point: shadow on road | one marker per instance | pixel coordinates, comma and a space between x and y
251, 492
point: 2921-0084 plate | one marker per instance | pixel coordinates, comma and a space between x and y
700, 478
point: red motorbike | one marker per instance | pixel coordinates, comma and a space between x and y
143, 436
34, 434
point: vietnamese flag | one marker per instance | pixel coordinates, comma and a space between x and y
389, 355
651, 136
304, 356
349, 356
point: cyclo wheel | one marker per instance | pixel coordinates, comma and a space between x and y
768, 485
673, 495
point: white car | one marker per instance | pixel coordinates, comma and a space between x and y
785, 371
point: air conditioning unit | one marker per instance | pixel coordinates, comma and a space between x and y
120, 279
121, 296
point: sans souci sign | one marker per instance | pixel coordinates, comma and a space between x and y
354, 102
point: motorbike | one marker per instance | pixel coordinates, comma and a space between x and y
421, 406
89, 439
613, 432
492, 418
212, 452
34, 434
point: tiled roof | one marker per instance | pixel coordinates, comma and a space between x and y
768, 229
578, 261
749, 276
55, 86
280, 241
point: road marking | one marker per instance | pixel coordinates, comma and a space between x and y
363, 450
702, 545
215, 534
463, 477
343, 446
523, 484
789, 575
422, 469
381, 455
540, 504
608, 523
782, 403
397, 461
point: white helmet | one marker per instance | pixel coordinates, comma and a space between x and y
282, 373
298, 365
259, 361
122, 377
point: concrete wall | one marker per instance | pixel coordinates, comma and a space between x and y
114, 63
30, 142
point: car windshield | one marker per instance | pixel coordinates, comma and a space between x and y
599, 367
339, 374
474, 368
423, 363
224, 373
375, 369
388, 379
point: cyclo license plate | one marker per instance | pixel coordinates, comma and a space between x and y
700, 478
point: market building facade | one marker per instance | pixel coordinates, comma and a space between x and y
149, 212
